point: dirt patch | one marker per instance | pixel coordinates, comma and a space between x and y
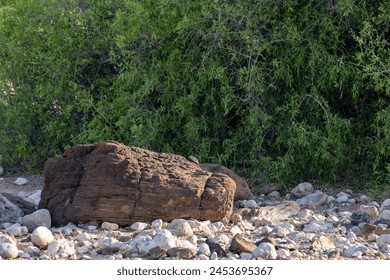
7, 184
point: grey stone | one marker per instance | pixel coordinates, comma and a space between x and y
359, 217
157, 224
384, 215
181, 253
317, 226
246, 256
1, 170
316, 199
204, 249
40, 217
21, 181
302, 189
383, 240
17, 230
342, 197
8, 251
385, 204
9, 212
265, 251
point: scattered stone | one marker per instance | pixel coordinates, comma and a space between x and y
17, 230
385, 204
317, 226
40, 217
315, 199
334, 254
240, 245
384, 215
157, 253
302, 189
370, 210
248, 204
269, 188
383, 240
21, 181
266, 240
1, 170
246, 256
265, 251
181, 253
180, 227
138, 226
109, 226
214, 256
157, 224
203, 257
9, 212
278, 212
235, 230
342, 197
359, 217
216, 248
204, 249
25, 205
193, 159
41, 237
323, 243
8, 251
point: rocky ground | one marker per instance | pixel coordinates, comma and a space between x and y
304, 224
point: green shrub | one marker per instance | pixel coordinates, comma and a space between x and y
280, 90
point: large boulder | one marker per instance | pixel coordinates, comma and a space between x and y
109, 181
242, 189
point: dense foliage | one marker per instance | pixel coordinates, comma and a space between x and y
280, 91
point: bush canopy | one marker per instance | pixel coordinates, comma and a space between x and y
281, 91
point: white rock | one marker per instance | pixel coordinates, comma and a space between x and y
83, 237
40, 217
357, 254
138, 226
305, 213
283, 253
350, 251
21, 181
332, 219
180, 227
201, 228
214, 256
204, 249
127, 249
160, 237
221, 239
157, 224
246, 256
193, 239
302, 189
383, 240
41, 237
17, 230
183, 243
1, 170
385, 204
109, 226
330, 199
385, 215
62, 248
91, 228
317, 226
265, 251
219, 226
203, 257
8, 251
235, 229
372, 237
